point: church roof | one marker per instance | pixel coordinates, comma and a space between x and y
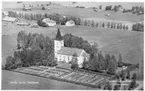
58, 35
70, 51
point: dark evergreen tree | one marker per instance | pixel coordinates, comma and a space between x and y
128, 75
108, 24
103, 25
134, 77
120, 63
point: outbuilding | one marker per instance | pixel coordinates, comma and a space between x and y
27, 9
70, 23
23, 24
49, 22
5, 13
10, 19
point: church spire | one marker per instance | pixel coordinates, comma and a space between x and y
58, 35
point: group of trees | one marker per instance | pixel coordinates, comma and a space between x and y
108, 7
113, 8
99, 63
123, 76
78, 42
138, 10
80, 7
112, 25
138, 27
133, 82
32, 49
135, 9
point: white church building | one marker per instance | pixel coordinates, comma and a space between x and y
65, 54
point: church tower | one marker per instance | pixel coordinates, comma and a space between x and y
58, 43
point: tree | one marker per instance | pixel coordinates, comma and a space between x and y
93, 64
43, 8
120, 63
123, 27
116, 8
138, 27
112, 25
118, 26
108, 86
18, 63
107, 59
116, 87
128, 75
114, 59
41, 23
51, 61
122, 75
74, 62
10, 63
132, 84
103, 25
126, 27
100, 7
141, 69
134, 77
97, 24
101, 62
111, 67
85, 65
99, 85
85, 23
108, 24
117, 77
92, 23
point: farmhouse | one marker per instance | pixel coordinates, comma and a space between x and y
27, 8
49, 22
5, 13
70, 23
10, 19
66, 54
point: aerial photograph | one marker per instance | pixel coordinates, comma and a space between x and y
72, 45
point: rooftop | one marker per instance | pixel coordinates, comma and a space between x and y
47, 20
71, 22
70, 51
9, 18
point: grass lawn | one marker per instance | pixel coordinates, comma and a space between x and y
128, 43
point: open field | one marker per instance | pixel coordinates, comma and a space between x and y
128, 43
84, 13
41, 83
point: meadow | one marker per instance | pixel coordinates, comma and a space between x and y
83, 13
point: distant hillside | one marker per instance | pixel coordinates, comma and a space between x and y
127, 5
